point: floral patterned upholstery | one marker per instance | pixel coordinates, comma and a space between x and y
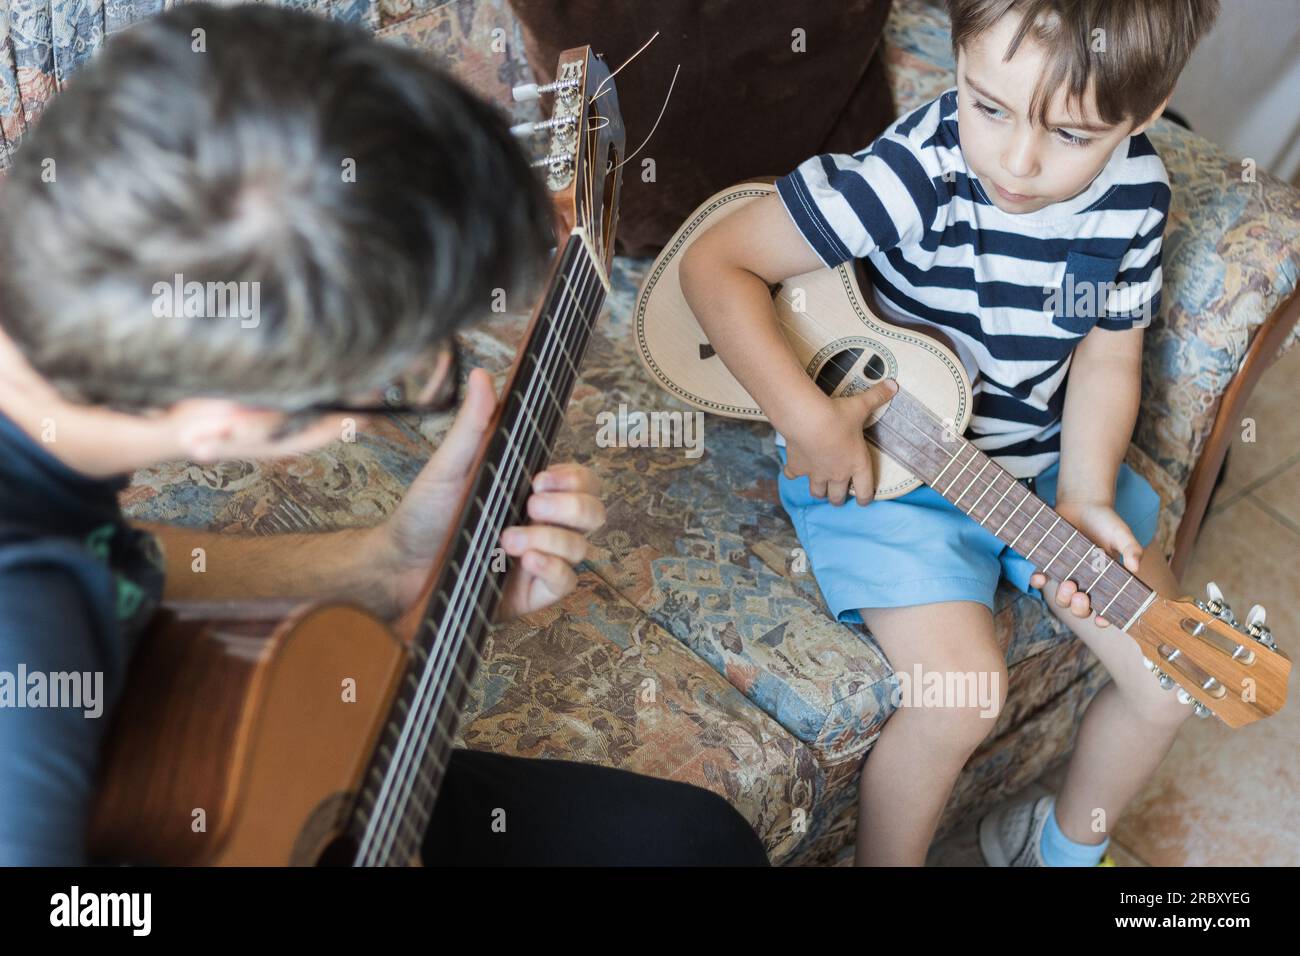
693, 647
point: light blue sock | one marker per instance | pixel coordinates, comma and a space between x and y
1059, 850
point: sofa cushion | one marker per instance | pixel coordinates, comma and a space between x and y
724, 121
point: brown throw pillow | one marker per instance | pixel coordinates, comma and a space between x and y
748, 101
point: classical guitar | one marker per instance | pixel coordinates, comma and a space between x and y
245, 737
1222, 667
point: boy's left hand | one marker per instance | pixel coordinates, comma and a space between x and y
1103, 525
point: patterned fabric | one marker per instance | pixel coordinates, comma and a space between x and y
694, 647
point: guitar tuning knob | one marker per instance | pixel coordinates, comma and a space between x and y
525, 92
1200, 710
1148, 663
1166, 681
1218, 606
1184, 697
1257, 629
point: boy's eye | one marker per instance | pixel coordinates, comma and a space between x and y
987, 110
1071, 140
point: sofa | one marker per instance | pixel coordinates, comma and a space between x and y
695, 646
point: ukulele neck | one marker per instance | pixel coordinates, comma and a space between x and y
932, 450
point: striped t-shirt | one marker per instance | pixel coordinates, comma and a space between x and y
939, 253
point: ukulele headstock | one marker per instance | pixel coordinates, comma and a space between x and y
584, 148
1220, 666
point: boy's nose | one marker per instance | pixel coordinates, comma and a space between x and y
1020, 157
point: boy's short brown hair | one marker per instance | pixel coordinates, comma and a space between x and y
1133, 50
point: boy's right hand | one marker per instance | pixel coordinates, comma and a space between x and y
831, 450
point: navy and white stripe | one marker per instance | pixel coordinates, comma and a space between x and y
939, 253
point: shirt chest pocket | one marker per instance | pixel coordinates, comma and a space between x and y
1085, 287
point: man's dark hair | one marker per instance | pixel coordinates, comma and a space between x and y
371, 202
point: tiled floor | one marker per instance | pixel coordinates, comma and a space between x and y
1225, 797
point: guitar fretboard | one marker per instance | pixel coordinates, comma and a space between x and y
910, 433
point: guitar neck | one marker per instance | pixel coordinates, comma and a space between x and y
415, 744
915, 437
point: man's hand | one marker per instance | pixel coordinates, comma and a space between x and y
1101, 523
565, 496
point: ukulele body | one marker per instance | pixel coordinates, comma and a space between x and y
828, 322
241, 740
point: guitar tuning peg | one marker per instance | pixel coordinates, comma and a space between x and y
1148, 663
1184, 697
1218, 605
525, 92
1200, 710
1257, 629
1166, 681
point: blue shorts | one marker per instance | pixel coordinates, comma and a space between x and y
920, 549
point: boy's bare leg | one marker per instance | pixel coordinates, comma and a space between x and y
910, 772
1128, 727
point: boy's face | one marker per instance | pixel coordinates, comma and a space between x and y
1024, 167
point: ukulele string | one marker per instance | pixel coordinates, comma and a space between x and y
949, 457
512, 445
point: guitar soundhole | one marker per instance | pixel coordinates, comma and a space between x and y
875, 368
341, 851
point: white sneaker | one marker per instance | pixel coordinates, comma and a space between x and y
1012, 835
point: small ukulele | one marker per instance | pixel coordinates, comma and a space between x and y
1222, 667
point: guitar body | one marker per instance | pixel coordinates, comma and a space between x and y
828, 322
274, 734
241, 740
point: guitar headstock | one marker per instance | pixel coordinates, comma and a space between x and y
585, 144
1220, 666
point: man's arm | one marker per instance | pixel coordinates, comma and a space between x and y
348, 565
1101, 406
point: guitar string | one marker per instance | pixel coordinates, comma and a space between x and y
453, 611
443, 679
551, 411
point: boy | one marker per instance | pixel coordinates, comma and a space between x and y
969, 213
212, 143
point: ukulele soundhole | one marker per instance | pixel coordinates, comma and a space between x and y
846, 372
